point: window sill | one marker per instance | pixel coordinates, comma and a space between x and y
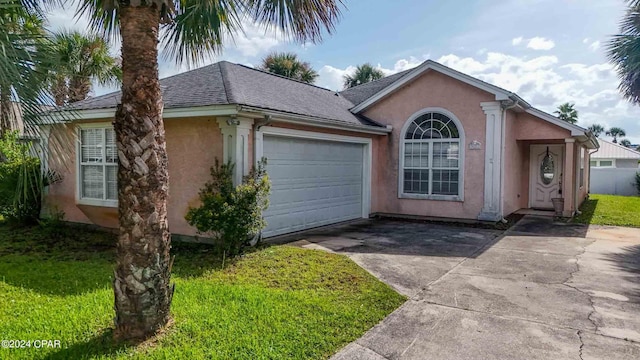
96, 202
455, 198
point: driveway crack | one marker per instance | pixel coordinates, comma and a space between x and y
589, 296
581, 344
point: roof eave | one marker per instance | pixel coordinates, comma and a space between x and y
299, 119
500, 94
195, 111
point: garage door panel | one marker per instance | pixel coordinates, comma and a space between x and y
314, 183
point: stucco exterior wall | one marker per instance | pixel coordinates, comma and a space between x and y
432, 89
192, 144
61, 196
530, 127
516, 171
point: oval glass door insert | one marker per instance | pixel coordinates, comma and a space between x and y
547, 169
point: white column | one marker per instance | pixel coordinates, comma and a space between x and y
235, 143
492, 205
568, 177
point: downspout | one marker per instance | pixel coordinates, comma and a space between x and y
506, 106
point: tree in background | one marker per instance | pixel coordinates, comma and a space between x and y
364, 73
596, 129
77, 61
623, 51
567, 112
625, 143
288, 65
21, 33
190, 31
615, 133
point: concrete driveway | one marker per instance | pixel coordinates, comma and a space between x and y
538, 291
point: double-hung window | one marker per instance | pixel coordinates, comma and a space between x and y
98, 170
430, 158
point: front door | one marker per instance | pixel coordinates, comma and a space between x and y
545, 175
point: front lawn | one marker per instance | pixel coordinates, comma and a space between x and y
610, 210
277, 302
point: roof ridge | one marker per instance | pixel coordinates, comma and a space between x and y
376, 80
281, 76
228, 84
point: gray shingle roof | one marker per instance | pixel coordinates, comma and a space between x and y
226, 83
362, 92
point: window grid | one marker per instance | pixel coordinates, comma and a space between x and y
98, 164
436, 171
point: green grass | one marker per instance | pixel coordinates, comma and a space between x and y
277, 302
610, 210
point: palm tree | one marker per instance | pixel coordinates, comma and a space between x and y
596, 129
288, 65
364, 73
625, 143
82, 59
566, 112
21, 30
191, 30
623, 51
615, 133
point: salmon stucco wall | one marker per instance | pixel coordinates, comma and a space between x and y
193, 144
431, 89
61, 196
583, 189
516, 174
530, 127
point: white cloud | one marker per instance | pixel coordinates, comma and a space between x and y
546, 82
594, 46
255, 40
516, 41
333, 78
540, 43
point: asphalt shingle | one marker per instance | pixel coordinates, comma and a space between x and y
226, 83
362, 92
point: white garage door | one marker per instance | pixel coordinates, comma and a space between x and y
313, 183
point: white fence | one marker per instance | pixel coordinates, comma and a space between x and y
614, 181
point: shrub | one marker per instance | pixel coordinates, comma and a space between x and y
53, 226
232, 214
638, 182
21, 181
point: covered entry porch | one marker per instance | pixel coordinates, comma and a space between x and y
545, 162
554, 170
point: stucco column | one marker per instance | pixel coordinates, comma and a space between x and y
568, 177
492, 205
235, 144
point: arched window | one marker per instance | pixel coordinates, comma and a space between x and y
430, 157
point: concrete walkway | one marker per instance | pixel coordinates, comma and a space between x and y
539, 291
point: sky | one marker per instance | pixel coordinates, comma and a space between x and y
547, 51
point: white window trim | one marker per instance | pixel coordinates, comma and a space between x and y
456, 121
367, 153
79, 199
613, 163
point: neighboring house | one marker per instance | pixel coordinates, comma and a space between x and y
613, 169
426, 142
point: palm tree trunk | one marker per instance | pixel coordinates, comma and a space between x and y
141, 284
79, 88
60, 91
6, 110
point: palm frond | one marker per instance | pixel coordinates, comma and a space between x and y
304, 21
200, 28
623, 50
